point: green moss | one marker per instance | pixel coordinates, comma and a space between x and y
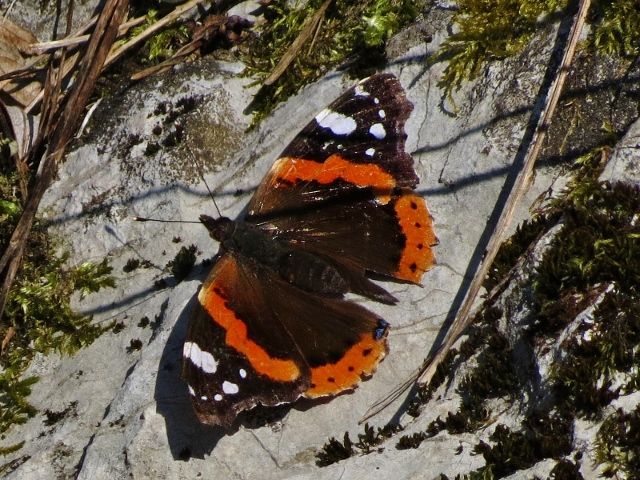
372, 438
565, 470
512, 451
515, 247
38, 317
551, 433
131, 265
425, 392
489, 30
599, 241
617, 27
618, 445
544, 435
598, 246
349, 29
164, 43
585, 382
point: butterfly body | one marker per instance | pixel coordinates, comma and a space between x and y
271, 323
261, 245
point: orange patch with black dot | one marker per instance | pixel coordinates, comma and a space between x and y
417, 226
360, 360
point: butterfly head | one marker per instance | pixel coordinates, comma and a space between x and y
219, 228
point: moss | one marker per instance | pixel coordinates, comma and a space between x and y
565, 470
183, 262
425, 392
349, 29
164, 43
493, 377
489, 30
334, 451
411, 441
618, 445
144, 322
512, 451
39, 317
515, 247
597, 248
54, 417
599, 241
134, 345
495, 374
585, 382
131, 265
551, 432
372, 438
118, 327
617, 27
544, 434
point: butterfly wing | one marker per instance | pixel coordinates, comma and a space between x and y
255, 339
357, 141
343, 189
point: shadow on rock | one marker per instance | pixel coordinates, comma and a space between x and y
187, 437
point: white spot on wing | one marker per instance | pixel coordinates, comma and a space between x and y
200, 358
209, 364
339, 124
377, 130
376, 101
230, 388
217, 397
204, 397
382, 113
191, 390
243, 373
370, 151
186, 349
360, 91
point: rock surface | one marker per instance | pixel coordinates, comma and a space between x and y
128, 412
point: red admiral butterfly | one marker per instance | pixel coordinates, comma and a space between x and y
271, 324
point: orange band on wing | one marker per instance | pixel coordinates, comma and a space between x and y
333, 168
417, 226
274, 368
361, 359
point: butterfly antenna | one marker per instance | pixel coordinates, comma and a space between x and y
390, 397
200, 170
145, 219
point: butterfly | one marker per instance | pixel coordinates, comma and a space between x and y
337, 208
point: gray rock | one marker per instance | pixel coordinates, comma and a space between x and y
130, 414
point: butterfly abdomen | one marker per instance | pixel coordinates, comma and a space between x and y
312, 274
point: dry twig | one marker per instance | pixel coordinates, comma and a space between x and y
295, 47
60, 121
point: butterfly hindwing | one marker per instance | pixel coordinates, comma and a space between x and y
252, 339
